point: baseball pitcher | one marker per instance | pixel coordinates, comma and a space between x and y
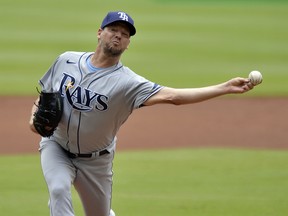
85, 97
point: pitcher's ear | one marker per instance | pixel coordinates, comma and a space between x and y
99, 32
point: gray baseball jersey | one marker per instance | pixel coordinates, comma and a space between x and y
96, 104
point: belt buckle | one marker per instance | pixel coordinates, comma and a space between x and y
100, 153
94, 154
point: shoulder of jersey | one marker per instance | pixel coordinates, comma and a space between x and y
71, 57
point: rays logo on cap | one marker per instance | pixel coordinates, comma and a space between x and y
123, 16
116, 16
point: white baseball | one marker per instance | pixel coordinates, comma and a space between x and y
255, 77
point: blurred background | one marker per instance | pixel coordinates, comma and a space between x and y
179, 43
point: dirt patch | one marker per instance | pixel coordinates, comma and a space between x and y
222, 122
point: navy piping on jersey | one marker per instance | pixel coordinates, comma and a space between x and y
78, 133
68, 127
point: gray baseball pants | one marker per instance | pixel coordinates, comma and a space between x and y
91, 177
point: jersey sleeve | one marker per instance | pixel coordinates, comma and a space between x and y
141, 90
46, 82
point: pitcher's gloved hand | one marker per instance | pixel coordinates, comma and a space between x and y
49, 113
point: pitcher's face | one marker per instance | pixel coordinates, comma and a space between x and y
114, 39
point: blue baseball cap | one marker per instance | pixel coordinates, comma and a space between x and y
119, 16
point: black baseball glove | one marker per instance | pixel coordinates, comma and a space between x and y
49, 112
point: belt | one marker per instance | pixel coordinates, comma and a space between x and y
88, 155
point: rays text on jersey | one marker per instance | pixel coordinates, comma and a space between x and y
80, 98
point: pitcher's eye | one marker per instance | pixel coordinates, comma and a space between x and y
125, 34
113, 29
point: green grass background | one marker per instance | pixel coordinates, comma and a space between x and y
183, 43
186, 43
202, 182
